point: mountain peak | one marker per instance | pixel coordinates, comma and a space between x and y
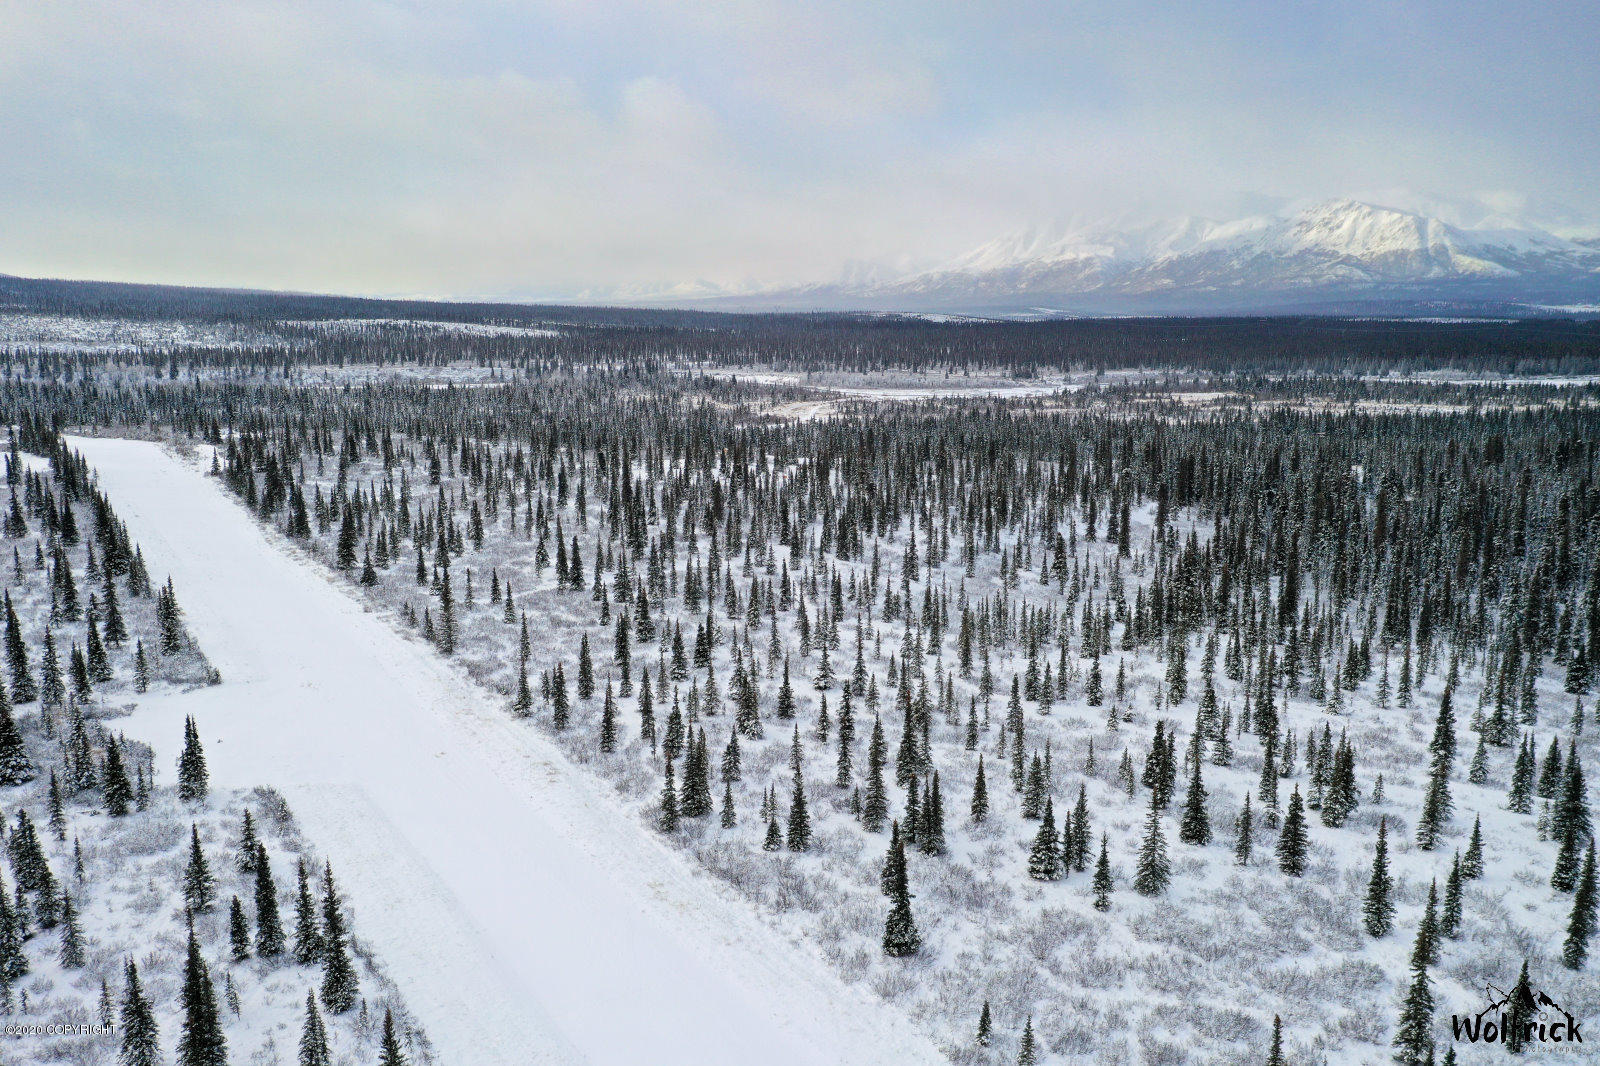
1339, 247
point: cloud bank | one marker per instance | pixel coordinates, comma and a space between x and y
540, 149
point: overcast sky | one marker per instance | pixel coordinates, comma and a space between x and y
542, 148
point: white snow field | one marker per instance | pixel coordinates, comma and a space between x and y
523, 914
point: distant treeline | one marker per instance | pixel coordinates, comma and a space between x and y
647, 338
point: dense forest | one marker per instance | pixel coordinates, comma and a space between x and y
1224, 711
282, 329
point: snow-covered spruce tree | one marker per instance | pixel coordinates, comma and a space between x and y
1195, 826
1275, 1050
1027, 1047
1413, 1035
307, 926
900, 936
314, 1037
1244, 841
1044, 860
193, 779
115, 789
1581, 923
199, 886
238, 930
389, 1051
1377, 913
1154, 870
1103, 884
1472, 861
339, 985
1450, 912
202, 1042
140, 1036
1292, 843
269, 927
15, 766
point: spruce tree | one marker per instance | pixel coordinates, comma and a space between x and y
202, 1042
15, 766
313, 1037
389, 1051
1195, 827
1581, 924
193, 779
900, 936
1244, 843
1275, 1052
1044, 861
238, 931
1450, 918
1377, 912
307, 929
932, 840
1522, 1009
1570, 824
199, 887
1102, 878
339, 984
1413, 1036
876, 808
667, 818
269, 927
799, 835
1154, 870
140, 1036
71, 953
980, 795
1027, 1051
1292, 843
115, 789
608, 722
1472, 862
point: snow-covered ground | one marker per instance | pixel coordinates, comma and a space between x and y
525, 915
76, 333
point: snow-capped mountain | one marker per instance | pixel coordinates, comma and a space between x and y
1339, 255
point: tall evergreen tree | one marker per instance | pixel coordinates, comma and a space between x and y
900, 936
269, 926
1102, 878
15, 766
1154, 870
1292, 843
1377, 912
389, 1050
314, 1037
193, 779
1195, 827
140, 1035
199, 886
339, 984
307, 927
1581, 924
1044, 861
202, 1042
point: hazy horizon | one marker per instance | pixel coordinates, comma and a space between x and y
543, 150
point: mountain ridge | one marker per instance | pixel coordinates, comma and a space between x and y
1342, 252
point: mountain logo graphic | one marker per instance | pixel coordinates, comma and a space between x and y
1519, 1017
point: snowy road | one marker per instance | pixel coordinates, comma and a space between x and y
524, 915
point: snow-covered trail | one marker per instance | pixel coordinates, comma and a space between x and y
525, 916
